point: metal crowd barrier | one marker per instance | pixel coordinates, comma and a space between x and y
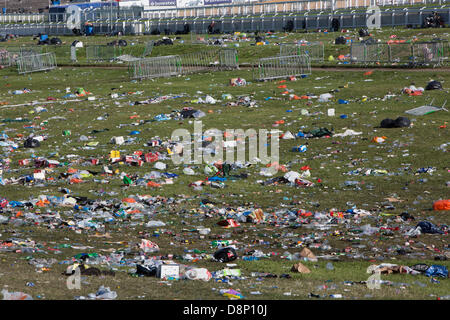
315, 50
156, 67
36, 62
434, 53
283, 67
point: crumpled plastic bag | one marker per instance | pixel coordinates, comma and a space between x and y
369, 230
348, 132
188, 171
325, 97
292, 176
154, 223
160, 165
15, 295
103, 294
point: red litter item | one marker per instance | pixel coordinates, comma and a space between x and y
151, 157
228, 223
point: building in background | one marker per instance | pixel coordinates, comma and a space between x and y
24, 6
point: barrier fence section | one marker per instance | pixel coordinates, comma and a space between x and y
431, 52
225, 58
101, 52
36, 62
149, 68
283, 67
402, 53
315, 50
199, 37
229, 58
166, 66
148, 48
10, 54
5, 58
199, 61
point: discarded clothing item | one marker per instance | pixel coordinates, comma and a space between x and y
388, 268
433, 85
369, 41
87, 270
163, 41
413, 90
363, 33
226, 254
55, 41
428, 227
340, 40
406, 216
192, 113
387, 123
421, 267
400, 122
317, 133
238, 82
228, 223
31, 143
437, 270
147, 270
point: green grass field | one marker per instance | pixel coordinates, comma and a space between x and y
333, 160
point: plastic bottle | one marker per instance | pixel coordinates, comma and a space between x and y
330, 266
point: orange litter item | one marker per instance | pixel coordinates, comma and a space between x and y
441, 205
153, 184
